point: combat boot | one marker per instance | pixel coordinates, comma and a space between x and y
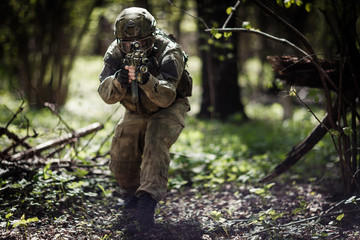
144, 216
129, 203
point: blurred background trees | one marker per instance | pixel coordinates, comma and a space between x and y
39, 42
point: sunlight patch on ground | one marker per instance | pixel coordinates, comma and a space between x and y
259, 111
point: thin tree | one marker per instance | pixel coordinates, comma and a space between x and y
39, 43
221, 96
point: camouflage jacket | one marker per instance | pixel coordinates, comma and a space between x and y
161, 89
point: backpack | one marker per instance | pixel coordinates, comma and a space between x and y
184, 88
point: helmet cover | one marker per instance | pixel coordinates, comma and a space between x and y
134, 23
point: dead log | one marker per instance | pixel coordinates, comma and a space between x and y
14, 137
298, 151
69, 138
297, 71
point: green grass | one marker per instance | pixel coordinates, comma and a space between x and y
214, 152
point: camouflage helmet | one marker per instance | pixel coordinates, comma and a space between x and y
134, 23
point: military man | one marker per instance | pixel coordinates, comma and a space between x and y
144, 70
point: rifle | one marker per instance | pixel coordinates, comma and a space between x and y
138, 59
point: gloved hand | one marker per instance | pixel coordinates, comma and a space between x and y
145, 78
151, 67
122, 76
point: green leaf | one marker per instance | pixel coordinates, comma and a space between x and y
81, 172
292, 92
258, 191
296, 211
216, 215
246, 25
268, 186
308, 7
287, 3
334, 132
7, 216
347, 131
47, 167
214, 31
218, 35
298, 3
73, 185
279, 2
227, 34
229, 10
340, 217
21, 222
30, 220
105, 192
46, 177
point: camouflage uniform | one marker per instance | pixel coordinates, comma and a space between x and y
140, 147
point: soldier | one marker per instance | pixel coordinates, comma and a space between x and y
144, 70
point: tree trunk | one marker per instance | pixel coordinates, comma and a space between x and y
41, 43
221, 93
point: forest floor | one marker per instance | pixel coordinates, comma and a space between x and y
279, 211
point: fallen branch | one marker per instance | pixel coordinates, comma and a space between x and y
17, 140
318, 218
302, 148
20, 109
52, 108
69, 138
14, 137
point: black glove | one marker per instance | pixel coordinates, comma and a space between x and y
122, 76
145, 78
151, 66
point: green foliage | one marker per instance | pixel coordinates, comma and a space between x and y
242, 153
301, 208
220, 220
340, 217
289, 3
24, 222
216, 33
268, 217
246, 25
298, 3
229, 10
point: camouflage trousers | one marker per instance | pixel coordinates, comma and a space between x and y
140, 155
